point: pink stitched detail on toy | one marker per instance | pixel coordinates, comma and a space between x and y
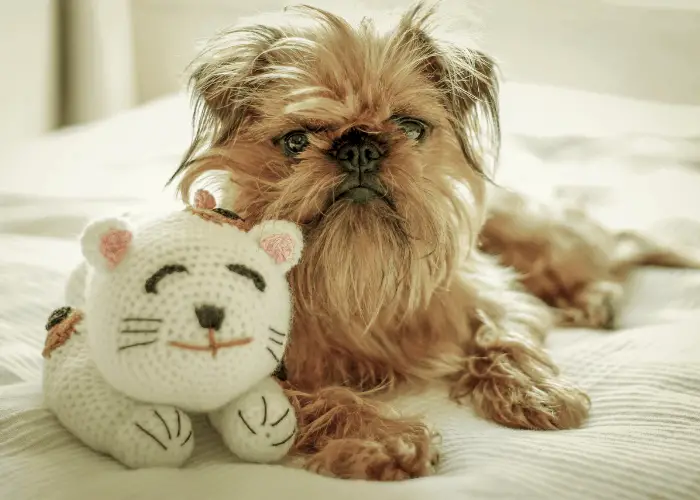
278, 246
113, 246
61, 332
204, 199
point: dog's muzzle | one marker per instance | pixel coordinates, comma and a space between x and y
359, 156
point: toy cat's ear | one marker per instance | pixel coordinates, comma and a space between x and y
281, 240
105, 243
203, 199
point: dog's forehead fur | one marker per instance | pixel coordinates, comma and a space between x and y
347, 73
313, 68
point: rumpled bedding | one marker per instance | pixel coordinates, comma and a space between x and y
634, 165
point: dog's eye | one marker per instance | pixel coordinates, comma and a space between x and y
414, 129
294, 143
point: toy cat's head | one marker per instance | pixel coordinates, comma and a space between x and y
186, 309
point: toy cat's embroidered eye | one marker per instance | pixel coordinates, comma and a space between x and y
161, 273
249, 273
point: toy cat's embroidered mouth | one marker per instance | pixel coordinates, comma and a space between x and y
213, 346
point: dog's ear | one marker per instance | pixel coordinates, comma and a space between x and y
468, 81
223, 85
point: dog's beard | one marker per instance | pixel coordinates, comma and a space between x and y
357, 259
368, 264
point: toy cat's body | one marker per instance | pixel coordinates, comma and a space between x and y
182, 314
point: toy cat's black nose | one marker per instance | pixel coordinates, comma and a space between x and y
210, 316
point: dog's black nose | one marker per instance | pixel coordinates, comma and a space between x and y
210, 316
358, 153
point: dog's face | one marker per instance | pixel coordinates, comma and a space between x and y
371, 140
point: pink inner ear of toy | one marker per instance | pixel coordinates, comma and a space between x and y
278, 246
114, 245
203, 199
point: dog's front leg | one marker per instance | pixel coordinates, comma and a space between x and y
342, 434
507, 375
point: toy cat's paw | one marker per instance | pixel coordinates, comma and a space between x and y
258, 427
154, 436
267, 429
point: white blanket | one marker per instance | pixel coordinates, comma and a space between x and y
636, 165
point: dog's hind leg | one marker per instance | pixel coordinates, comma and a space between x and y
561, 255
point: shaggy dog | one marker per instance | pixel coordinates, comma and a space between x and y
380, 144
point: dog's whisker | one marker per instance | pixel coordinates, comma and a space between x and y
138, 344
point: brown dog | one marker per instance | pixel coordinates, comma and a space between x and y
380, 144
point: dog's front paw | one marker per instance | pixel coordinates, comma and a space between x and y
547, 405
555, 404
594, 306
395, 458
154, 436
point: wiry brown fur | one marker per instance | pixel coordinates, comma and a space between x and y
346, 435
398, 292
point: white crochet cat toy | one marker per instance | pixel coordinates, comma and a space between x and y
184, 313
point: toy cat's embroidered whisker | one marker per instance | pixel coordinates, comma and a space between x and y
279, 343
277, 333
280, 443
187, 439
151, 436
143, 319
277, 360
240, 415
264, 410
284, 415
139, 331
178, 423
128, 346
164, 424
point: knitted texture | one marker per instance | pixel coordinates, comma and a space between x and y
181, 314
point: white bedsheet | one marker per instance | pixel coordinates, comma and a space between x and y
636, 165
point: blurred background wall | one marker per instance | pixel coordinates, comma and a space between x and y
67, 62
